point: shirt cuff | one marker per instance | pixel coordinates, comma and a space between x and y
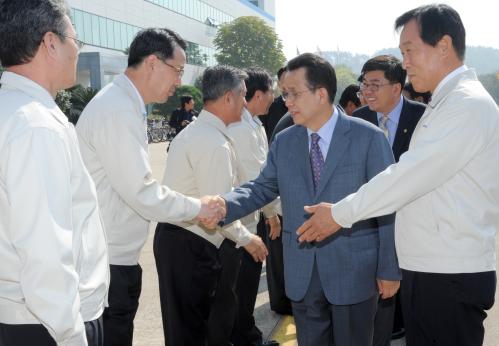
196, 207
340, 213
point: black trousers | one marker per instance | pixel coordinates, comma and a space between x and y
37, 334
446, 309
123, 298
188, 272
223, 311
279, 302
245, 332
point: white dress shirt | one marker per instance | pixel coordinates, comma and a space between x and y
393, 120
113, 140
445, 189
325, 134
54, 267
202, 161
251, 145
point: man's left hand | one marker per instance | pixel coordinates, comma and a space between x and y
387, 288
320, 225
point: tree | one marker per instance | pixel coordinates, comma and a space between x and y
166, 109
249, 41
72, 101
344, 77
491, 84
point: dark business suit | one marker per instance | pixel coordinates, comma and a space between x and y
389, 315
332, 283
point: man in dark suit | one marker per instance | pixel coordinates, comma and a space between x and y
382, 81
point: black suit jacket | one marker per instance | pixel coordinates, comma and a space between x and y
409, 117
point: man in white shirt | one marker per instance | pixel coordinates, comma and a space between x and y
54, 272
445, 189
113, 141
251, 145
197, 268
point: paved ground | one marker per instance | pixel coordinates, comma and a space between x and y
148, 328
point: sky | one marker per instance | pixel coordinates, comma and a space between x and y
363, 26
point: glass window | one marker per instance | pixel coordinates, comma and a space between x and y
124, 36
78, 23
87, 27
95, 31
110, 34
103, 31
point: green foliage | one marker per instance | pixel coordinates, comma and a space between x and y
63, 100
72, 101
166, 109
194, 56
491, 83
344, 77
249, 41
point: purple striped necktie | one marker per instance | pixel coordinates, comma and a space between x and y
316, 159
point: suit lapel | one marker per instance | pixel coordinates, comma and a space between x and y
402, 133
337, 147
303, 158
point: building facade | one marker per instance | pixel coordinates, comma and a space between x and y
108, 26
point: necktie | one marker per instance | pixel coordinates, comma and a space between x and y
316, 159
382, 124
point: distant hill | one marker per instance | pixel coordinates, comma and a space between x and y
484, 59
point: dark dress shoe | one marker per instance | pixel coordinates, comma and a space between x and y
398, 334
270, 343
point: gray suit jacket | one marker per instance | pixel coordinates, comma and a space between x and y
350, 261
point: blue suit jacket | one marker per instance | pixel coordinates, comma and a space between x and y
350, 261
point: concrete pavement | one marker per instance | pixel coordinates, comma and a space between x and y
148, 327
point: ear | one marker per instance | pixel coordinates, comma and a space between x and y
445, 45
324, 96
50, 42
228, 97
150, 62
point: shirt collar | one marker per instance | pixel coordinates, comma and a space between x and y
447, 78
326, 131
394, 114
213, 120
11, 80
142, 104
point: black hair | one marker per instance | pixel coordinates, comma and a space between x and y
350, 94
23, 23
435, 21
185, 99
391, 67
258, 79
157, 41
319, 73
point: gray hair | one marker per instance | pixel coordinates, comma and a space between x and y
218, 80
23, 23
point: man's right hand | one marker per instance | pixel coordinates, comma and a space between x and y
257, 249
212, 211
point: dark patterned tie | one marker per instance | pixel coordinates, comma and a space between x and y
316, 159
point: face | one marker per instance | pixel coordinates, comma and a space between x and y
68, 57
237, 103
421, 60
167, 76
264, 101
385, 98
189, 106
303, 104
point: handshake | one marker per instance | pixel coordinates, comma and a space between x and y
213, 210
319, 226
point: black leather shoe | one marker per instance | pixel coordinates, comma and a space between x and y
399, 334
270, 343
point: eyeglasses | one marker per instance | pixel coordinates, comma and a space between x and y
292, 95
180, 70
372, 86
80, 44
